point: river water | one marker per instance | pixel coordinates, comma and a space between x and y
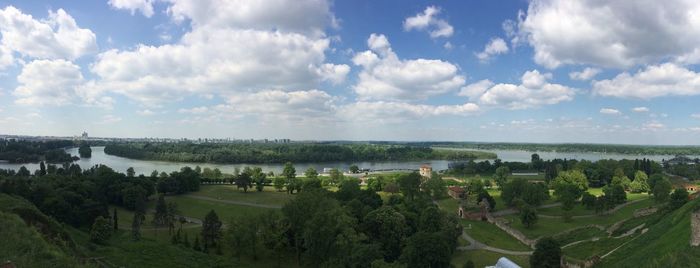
145, 167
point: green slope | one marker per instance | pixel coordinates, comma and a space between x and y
666, 244
32, 239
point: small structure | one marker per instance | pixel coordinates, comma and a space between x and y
690, 187
456, 192
84, 136
426, 171
504, 262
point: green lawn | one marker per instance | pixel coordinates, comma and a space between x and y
268, 196
483, 258
196, 208
491, 235
552, 226
449, 204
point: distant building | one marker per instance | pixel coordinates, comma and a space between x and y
456, 192
504, 262
426, 171
84, 136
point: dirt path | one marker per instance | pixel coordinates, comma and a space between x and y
613, 210
231, 202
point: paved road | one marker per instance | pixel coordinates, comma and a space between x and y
231, 201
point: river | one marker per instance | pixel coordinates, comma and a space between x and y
145, 167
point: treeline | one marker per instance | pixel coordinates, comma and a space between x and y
18, 151
281, 153
574, 147
599, 173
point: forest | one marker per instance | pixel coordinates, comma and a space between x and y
16, 151
280, 153
572, 147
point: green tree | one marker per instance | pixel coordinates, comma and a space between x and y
661, 190
115, 220
130, 172
336, 176
528, 216
42, 168
278, 183
575, 177
387, 227
409, 184
211, 229
436, 187
354, 169
311, 173
547, 254
85, 151
653, 179
468, 264
101, 230
289, 172
196, 245
623, 181
139, 217
678, 198
501, 176
133, 195
640, 183
161, 213
588, 200
425, 249
259, 178
244, 181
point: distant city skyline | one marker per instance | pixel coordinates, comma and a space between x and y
540, 71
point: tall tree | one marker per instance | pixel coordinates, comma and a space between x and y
528, 216
409, 184
101, 230
311, 173
501, 176
211, 230
130, 172
547, 254
115, 220
42, 168
661, 190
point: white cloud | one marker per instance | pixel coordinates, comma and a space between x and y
385, 76
46, 82
534, 91
303, 16
145, 6
611, 33
400, 111
221, 55
653, 126
586, 74
448, 46
696, 116
56, 37
653, 81
610, 111
428, 21
640, 109
495, 47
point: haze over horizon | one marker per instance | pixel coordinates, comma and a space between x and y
540, 71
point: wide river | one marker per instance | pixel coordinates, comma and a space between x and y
146, 166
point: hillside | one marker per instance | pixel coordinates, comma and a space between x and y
32, 239
666, 243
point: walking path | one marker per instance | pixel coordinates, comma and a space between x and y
613, 210
510, 211
476, 245
231, 201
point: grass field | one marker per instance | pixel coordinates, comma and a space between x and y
580, 234
552, 226
483, 258
269, 196
588, 249
197, 208
491, 235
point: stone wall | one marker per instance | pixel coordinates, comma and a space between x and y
503, 225
695, 229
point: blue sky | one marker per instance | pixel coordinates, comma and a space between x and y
521, 71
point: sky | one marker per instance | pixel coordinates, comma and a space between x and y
544, 71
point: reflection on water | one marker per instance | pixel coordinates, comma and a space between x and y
146, 167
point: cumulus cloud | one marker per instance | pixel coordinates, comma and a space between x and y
534, 91
640, 109
610, 111
400, 111
653, 81
586, 74
611, 33
110, 119
47, 82
304, 16
145, 6
495, 47
428, 21
230, 49
386, 77
56, 37
696, 116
